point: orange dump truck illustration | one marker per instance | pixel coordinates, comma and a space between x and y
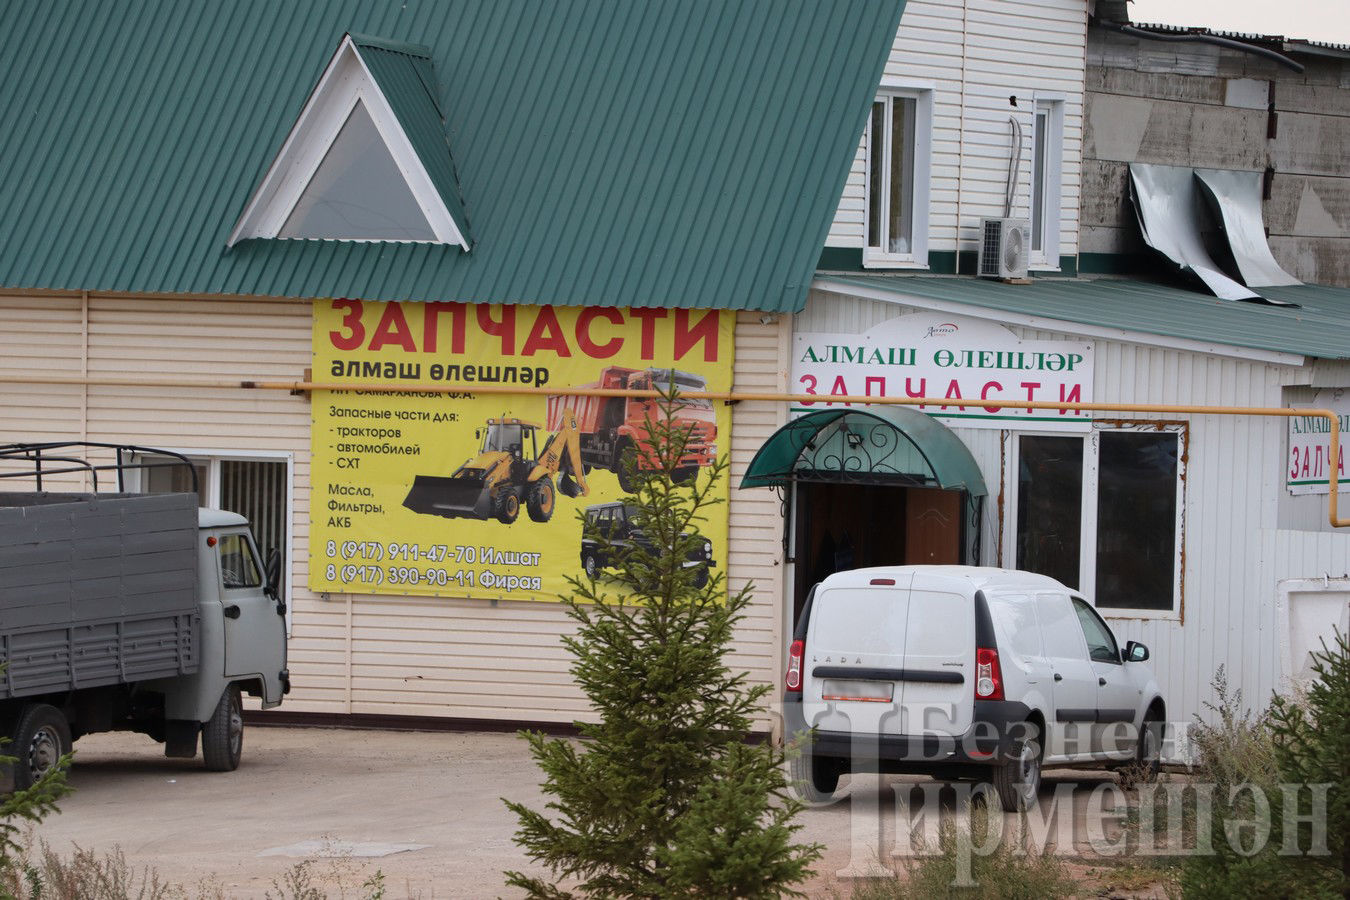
609, 426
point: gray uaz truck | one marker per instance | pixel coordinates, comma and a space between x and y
127, 611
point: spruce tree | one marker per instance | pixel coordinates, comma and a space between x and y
665, 795
1311, 737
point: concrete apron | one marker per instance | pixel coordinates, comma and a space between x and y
423, 808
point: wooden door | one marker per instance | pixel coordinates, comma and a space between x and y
932, 527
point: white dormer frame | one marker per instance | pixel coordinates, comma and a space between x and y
345, 82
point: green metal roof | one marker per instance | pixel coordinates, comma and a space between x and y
674, 153
1319, 326
407, 78
926, 452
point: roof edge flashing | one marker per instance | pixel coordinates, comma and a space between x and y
371, 40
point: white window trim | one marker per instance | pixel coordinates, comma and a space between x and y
212, 458
922, 94
1047, 259
1087, 555
345, 81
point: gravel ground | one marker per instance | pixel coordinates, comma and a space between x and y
422, 808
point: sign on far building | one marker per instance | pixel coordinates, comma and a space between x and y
970, 363
1307, 468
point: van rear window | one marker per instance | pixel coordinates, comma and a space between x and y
858, 621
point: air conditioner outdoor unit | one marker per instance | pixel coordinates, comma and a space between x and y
1004, 245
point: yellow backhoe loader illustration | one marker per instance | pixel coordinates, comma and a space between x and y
510, 469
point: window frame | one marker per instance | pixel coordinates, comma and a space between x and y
212, 460
1087, 558
922, 95
248, 556
1052, 185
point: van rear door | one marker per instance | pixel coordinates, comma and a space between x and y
855, 651
939, 661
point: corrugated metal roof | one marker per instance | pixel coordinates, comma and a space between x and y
681, 153
1318, 326
407, 78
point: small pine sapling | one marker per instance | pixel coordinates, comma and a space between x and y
665, 795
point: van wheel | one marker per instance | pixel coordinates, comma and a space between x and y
815, 778
223, 736
1148, 755
41, 738
1018, 779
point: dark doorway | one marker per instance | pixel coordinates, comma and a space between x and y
853, 526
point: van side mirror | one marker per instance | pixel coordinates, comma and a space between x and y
1135, 652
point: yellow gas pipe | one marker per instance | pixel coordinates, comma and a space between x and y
1333, 421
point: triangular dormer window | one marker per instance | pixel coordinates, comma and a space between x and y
367, 160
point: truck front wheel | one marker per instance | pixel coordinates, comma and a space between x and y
506, 506
41, 738
539, 503
223, 736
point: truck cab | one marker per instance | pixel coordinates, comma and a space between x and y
243, 620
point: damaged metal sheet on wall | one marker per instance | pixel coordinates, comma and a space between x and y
1237, 195
1168, 208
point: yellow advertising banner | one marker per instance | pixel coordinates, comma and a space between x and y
475, 494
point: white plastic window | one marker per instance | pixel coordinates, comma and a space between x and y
898, 149
1103, 514
1046, 178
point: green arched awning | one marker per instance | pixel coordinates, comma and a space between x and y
880, 445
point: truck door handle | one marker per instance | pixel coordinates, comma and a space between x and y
1101, 682
232, 611
1059, 677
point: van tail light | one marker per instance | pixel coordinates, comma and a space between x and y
988, 676
794, 671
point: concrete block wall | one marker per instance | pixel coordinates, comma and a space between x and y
1207, 106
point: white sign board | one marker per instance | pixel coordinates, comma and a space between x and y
1307, 466
970, 363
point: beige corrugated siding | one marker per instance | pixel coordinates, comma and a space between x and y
473, 659
42, 336
421, 656
197, 339
756, 526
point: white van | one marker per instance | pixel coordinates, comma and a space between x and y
961, 672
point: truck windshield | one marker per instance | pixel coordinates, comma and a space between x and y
663, 379
501, 438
